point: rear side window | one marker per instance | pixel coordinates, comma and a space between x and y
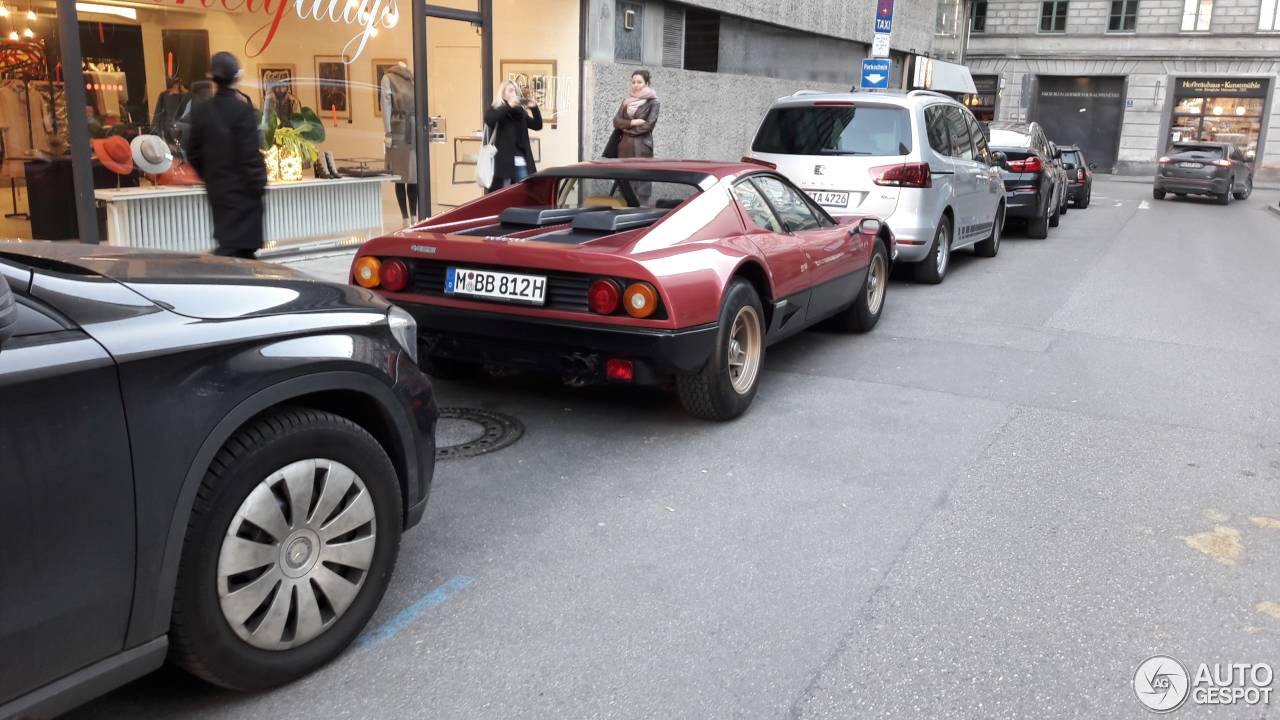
961, 138
980, 149
935, 123
755, 206
835, 130
795, 213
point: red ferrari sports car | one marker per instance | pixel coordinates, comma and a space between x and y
633, 271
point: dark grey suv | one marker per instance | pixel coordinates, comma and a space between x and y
1204, 168
201, 458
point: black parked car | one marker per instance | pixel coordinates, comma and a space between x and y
1204, 168
1080, 175
203, 458
1063, 182
1031, 184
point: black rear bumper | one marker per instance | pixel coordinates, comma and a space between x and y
579, 350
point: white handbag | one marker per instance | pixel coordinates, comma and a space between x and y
485, 159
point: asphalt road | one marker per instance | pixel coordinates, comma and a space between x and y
1024, 482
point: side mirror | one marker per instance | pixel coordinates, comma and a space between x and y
1057, 154
868, 226
1093, 166
8, 312
1001, 160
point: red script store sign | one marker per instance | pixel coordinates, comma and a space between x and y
366, 15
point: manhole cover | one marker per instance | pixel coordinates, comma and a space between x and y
467, 432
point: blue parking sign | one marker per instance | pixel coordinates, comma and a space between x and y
875, 74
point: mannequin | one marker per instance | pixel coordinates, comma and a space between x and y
399, 125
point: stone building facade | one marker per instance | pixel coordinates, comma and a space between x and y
1126, 78
717, 65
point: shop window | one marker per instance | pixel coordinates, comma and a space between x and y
1269, 16
979, 20
1124, 16
701, 40
1053, 16
189, 50
627, 35
1196, 15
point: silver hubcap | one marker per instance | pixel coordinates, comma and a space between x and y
876, 283
944, 249
995, 232
745, 344
296, 554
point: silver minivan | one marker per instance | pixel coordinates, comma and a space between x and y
917, 160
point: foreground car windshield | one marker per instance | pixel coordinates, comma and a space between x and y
835, 130
610, 192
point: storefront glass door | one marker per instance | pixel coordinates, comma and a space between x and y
455, 82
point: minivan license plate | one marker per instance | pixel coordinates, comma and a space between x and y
529, 289
829, 198
1190, 165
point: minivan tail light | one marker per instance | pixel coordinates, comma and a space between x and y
911, 175
1031, 164
754, 161
830, 103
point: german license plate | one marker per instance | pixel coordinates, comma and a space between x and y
829, 198
1190, 165
529, 289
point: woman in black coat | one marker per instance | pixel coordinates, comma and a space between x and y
510, 119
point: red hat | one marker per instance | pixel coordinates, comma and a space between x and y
115, 154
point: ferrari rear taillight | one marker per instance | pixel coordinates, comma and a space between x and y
909, 175
603, 297
640, 300
367, 272
395, 275
1031, 164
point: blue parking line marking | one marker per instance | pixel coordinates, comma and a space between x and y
372, 638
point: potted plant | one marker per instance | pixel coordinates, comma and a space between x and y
292, 147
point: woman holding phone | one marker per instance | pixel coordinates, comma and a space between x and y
510, 118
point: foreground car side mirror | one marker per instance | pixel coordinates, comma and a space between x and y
8, 312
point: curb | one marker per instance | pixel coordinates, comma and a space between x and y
1274, 209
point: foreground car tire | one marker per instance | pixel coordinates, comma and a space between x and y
865, 311
934, 267
1158, 194
727, 385
1038, 228
288, 552
991, 245
1056, 218
1083, 202
1225, 198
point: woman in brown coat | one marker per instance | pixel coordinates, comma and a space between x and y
635, 120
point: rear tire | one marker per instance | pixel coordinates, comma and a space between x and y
933, 268
724, 389
991, 245
1084, 202
1225, 198
1056, 218
865, 311
1038, 229
268, 471
1157, 193
1248, 190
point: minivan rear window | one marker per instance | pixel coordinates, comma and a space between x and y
1071, 157
835, 130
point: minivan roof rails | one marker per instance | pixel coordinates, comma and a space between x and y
918, 93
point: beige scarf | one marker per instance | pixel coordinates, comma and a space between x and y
635, 100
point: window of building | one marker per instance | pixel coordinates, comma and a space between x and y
627, 35
1053, 16
979, 21
1196, 15
1124, 16
701, 40
1269, 16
